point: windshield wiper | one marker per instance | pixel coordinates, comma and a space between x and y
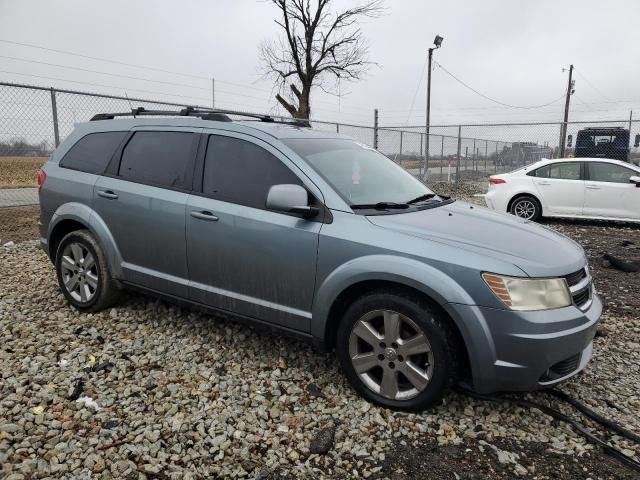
379, 206
421, 198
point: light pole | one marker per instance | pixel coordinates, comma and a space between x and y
437, 42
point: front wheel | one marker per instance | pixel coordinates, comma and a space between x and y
396, 351
526, 207
83, 272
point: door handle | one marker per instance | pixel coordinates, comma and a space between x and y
593, 187
204, 215
544, 183
107, 194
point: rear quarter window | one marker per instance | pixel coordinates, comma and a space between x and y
160, 158
92, 152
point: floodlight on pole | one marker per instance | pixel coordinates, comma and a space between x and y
438, 43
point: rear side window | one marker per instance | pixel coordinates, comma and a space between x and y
241, 172
609, 172
92, 153
163, 159
562, 171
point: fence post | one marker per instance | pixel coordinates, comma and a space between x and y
400, 154
441, 155
337, 128
486, 151
54, 113
475, 160
458, 161
375, 129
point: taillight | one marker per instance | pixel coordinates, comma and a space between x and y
496, 181
41, 178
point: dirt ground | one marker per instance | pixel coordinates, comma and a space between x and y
19, 171
19, 223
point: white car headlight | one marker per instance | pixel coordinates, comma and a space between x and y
519, 293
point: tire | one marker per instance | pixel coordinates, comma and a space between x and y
527, 208
380, 364
94, 289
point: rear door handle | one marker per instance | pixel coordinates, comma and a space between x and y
593, 187
107, 194
204, 215
544, 183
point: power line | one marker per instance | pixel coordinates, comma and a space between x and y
415, 95
524, 107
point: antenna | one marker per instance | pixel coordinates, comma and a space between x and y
130, 105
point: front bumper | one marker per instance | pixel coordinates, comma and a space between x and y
523, 351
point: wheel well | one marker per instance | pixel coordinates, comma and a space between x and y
58, 233
347, 296
520, 195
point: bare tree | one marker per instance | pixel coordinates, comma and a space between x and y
315, 48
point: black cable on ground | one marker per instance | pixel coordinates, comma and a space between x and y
614, 452
559, 394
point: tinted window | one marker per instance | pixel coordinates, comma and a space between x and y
92, 153
608, 172
159, 158
241, 172
564, 171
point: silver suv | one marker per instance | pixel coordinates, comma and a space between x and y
323, 237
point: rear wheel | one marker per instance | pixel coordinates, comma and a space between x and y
396, 351
526, 207
83, 272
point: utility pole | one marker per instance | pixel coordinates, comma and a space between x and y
213, 93
437, 42
566, 112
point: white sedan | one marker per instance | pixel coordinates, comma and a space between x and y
595, 188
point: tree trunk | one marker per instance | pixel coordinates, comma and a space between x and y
303, 110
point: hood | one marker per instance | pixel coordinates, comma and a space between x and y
536, 250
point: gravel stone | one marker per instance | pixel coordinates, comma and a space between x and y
191, 395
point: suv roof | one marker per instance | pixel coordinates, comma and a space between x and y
191, 117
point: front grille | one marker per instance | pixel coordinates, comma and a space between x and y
581, 297
575, 277
580, 292
562, 368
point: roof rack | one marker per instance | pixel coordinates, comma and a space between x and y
204, 114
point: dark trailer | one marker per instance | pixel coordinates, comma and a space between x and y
603, 142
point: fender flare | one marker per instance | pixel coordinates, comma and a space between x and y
404, 271
95, 224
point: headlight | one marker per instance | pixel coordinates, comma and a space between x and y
519, 293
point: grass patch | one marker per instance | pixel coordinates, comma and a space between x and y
20, 171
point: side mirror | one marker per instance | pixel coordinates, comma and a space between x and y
637, 142
569, 141
290, 199
635, 179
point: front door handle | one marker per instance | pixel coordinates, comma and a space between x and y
204, 215
107, 194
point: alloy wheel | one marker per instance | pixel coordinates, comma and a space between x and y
79, 272
390, 354
524, 209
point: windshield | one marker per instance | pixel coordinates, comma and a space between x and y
360, 174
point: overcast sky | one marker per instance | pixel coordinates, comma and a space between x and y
512, 51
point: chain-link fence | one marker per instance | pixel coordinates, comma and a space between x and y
34, 120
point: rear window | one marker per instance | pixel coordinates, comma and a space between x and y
563, 171
92, 153
162, 159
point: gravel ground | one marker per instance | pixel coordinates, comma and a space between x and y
150, 390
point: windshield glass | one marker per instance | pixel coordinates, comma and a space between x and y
360, 174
